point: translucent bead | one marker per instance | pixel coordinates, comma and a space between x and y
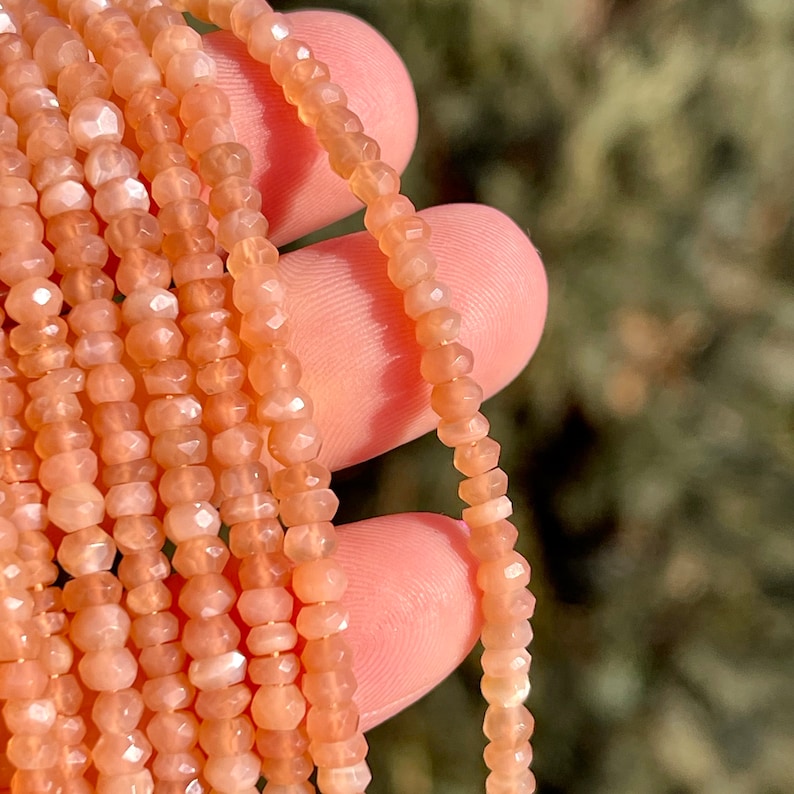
348, 151
371, 179
411, 264
94, 120
223, 704
120, 194
168, 692
274, 369
151, 341
146, 100
161, 156
133, 229
252, 537
446, 363
203, 639
155, 630
458, 432
274, 670
108, 669
21, 225
264, 570
506, 636
93, 589
483, 487
171, 40
218, 672
425, 296
82, 80
321, 620
76, 506
338, 754
156, 128
278, 708
265, 33
186, 483
139, 268
223, 160
310, 541
34, 299
123, 446
237, 225
319, 580
344, 780
500, 783
491, 541
505, 691
201, 555
504, 574
322, 655
477, 458
173, 731
488, 512
68, 468
234, 193
438, 327
188, 519
317, 98
329, 688
187, 68
384, 209
172, 412
173, 184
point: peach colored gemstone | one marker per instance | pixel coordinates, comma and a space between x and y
251, 252
308, 507
62, 437
162, 660
287, 54
330, 688
173, 731
95, 120
458, 432
206, 595
146, 100
115, 418
218, 672
491, 541
278, 708
87, 550
321, 620
110, 383
226, 737
117, 712
288, 771
76, 506
236, 225
97, 628
234, 192
310, 541
173, 184
151, 341
272, 638
501, 636
33, 717
456, 399
372, 179
347, 151
187, 483
408, 266
265, 33
44, 332
212, 344
181, 446
274, 670
218, 635
68, 469
425, 296
22, 224
505, 574
499, 783
135, 72
253, 507
80, 80
344, 753
93, 589
150, 597
252, 537
167, 693
110, 668
32, 752
144, 566
300, 477
189, 67
133, 229
161, 156
139, 268
384, 209
244, 478
477, 458
108, 161
22, 679
151, 630
33, 299
265, 605
488, 512
120, 194
62, 197
508, 607
483, 487
201, 555
264, 327
24, 261
87, 283
195, 267
169, 377
98, 347
124, 446
16, 190
203, 100
317, 98
188, 519
169, 413
333, 724
232, 773
446, 362
326, 654
149, 303
135, 533
224, 160
282, 744
20, 640
437, 327
319, 580
505, 691
96, 315
344, 780
500, 662
508, 760
335, 121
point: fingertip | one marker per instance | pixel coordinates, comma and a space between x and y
414, 612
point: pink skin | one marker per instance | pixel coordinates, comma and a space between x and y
412, 596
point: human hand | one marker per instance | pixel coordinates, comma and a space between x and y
412, 595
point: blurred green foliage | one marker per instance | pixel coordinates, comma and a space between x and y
648, 148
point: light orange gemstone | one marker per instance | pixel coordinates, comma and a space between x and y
310, 541
504, 574
272, 638
446, 362
506, 636
278, 708
344, 780
319, 580
173, 731
107, 669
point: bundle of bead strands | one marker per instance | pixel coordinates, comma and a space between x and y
197, 707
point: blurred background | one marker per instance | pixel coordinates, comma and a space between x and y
648, 147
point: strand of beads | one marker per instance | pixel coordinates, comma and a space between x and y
100, 626
446, 365
306, 507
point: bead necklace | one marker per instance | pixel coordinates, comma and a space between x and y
210, 362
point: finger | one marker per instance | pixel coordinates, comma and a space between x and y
359, 354
300, 192
414, 614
